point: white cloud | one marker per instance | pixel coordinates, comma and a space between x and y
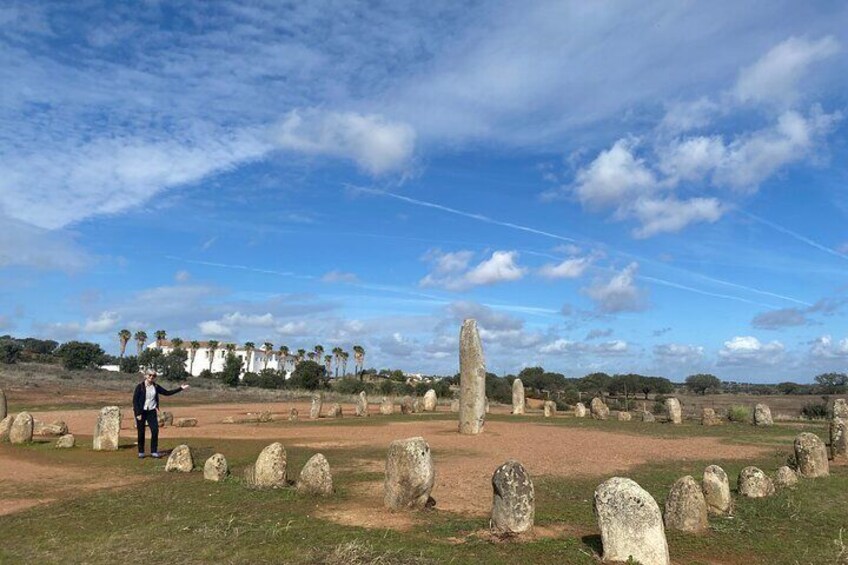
339, 277
376, 144
451, 270
618, 294
748, 350
182, 276
613, 177
677, 353
825, 347
775, 75
292, 329
105, 322
214, 328
29, 246
684, 116
670, 215
567, 269
562, 346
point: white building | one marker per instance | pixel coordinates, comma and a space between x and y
204, 358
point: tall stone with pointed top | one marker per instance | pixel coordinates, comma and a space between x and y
840, 408
838, 439
630, 522
811, 456
362, 405
514, 499
107, 430
317, 404
3, 407
517, 397
472, 380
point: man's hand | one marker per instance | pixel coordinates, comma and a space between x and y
185, 387
138, 417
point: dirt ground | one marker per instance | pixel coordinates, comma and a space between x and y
464, 464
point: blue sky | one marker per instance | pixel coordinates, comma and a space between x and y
605, 186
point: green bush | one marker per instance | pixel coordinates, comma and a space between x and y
350, 385
174, 365
232, 370
739, 413
10, 351
308, 374
77, 355
815, 411
129, 364
206, 374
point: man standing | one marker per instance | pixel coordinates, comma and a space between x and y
146, 407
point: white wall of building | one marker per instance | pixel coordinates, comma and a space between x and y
218, 357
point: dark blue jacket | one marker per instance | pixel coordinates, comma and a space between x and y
140, 394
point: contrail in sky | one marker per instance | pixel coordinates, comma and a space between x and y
796, 235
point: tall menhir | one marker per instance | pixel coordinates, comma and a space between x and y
472, 380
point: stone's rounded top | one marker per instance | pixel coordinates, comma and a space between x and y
715, 470
517, 384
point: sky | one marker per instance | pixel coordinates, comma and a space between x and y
653, 187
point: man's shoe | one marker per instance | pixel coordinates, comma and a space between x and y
141, 455
155, 455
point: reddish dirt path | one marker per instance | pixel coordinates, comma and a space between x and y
464, 464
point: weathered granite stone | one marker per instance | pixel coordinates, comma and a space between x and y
180, 460
514, 500
648, 416
315, 477
716, 487
410, 475
56, 429
811, 456
362, 405
65, 442
685, 507
472, 380
417, 405
387, 407
454, 406
673, 411
5, 427
838, 439
107, 430
710, 418
785, 477
21, 430
580, 410
624, 416
762, 415
600, 411
518, 402
630, 522
185, 423
335, 410
317, 404
3, 406
486, 404
293, 415
166, 418
550, 408
406, 405
753, 483
270, 467
840, 408
430, 401
216, 468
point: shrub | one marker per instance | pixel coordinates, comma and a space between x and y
206, 374
386, 387
77, 355
10, 351
250, 379
232, 370
815, 411
739, 413
350, 385
308, 375
152, 359
174, 366
129, 364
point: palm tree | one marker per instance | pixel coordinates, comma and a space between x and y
284, 358
160, 337
140, 339
268, 348
230, 347
337, 355
213, 345
328, 362
319, 352
176, 343
301, 353
124, 337
249, 347
359, 358
193, 347
345, 356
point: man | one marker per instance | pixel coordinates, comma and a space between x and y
146, 407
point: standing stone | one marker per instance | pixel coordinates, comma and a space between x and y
454, 407
785, 477
317, 405
216, 468
65, 442
600, 411
762, 415
21, 430
3, 406
716, 487
624, 416
550, 408
269, 471
486, 404
709, 417
840, 408
753, 483
514, 499
5, 427
430, 401
406, 405
580, 410
685, 507
838, 439
362, 405
648, 416
180, 460
472, 380
166, 419
387, 407
335, 410
57, 428
293, 415
107, 430
186, 423
315, 477
518, 397
630, 522
410, 475
811, 456
673, 411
